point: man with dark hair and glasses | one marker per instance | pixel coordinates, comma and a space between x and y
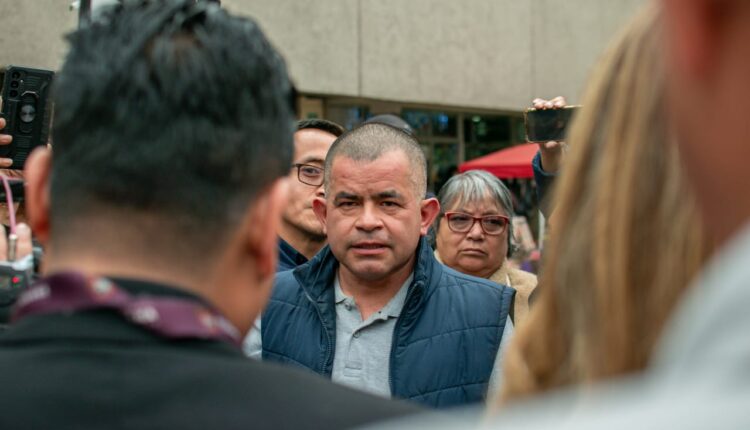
301, 235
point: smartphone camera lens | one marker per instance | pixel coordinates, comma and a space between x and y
28, 113
15, 75
14, 84
14, 93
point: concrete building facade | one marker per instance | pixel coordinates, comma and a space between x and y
461, 72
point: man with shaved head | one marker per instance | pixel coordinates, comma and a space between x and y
374, 309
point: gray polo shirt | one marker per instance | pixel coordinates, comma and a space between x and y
363, 348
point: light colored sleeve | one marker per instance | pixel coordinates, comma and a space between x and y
253, 344
496, 378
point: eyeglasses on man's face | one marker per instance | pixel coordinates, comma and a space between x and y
492, 225
309, 174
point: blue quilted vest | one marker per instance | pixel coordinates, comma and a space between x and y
444, 343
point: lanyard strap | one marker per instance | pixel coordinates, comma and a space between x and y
169, 317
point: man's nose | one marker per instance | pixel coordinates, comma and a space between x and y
320, 192
369, 218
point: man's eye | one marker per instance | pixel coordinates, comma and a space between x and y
311, 171
389, 204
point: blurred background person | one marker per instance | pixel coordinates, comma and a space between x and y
474, 233
301, 234
627, 238
13, 219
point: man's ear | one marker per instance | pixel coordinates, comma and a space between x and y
37, 173
263, 222
321, 211
429, 211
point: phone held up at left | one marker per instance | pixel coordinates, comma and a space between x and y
27, 111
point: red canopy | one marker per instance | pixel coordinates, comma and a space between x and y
513, 162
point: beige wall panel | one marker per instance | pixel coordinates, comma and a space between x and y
569, 37
318, 39
495, 54
32, 31
566, 43
470, 53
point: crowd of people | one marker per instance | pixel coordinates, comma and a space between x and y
211, 261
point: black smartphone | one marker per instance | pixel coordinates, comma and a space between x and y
26, 111
544, 125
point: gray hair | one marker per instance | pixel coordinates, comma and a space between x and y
369, 142
476, 186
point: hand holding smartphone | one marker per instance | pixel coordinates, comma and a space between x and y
26, 112
544, 125
547, 124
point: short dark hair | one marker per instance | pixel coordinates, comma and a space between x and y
322, 125
369, 142
172, 109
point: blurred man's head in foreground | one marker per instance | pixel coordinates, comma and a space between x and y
173, 121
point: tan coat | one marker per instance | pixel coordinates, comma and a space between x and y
521, 281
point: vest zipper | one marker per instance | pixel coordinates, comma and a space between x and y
412, 288
329, 348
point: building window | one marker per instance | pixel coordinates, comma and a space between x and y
438, 134
431, 124
484, 134
347, 116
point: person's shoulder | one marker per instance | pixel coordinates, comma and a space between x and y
207, 381
311, 397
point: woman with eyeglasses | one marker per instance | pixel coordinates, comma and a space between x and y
474, 234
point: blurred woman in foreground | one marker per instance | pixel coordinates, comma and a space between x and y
626, 238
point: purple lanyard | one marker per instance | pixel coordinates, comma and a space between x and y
172, 318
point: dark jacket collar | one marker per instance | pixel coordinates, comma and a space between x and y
104, 326
150, 288
289, 258
316, 276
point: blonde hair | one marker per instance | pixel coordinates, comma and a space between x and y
626, 238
